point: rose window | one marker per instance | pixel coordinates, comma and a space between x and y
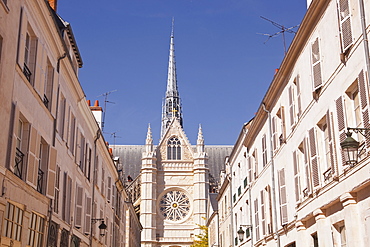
174, 205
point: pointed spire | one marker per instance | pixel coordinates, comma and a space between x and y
200, 141
171, 107
149, 140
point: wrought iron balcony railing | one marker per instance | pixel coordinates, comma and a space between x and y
46, 101
18, 167
40, 179
27, 72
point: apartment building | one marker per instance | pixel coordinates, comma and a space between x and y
59, 183
301, 189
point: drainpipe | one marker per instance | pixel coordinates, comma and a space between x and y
364, 34
272, 177
98, 134
57, 107
231, 205
250, 211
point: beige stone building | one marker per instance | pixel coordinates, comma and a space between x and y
301, 191
59, 183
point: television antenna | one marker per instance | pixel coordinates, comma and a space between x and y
105, 105
282, 31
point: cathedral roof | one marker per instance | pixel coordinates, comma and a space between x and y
130, 157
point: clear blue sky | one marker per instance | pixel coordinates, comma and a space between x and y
223, 66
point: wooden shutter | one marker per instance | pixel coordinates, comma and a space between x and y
256, 219
275, 139
283, 197
331, 144
283, 129
345, 24
341, 124
296, 176
33, 159
263, 214
314, 158
316, 66
87, 215
78, 215
291, 105
307, 168
50, 189
264, 151
250, 177
69, 199
109, 188
299, 103
364, 104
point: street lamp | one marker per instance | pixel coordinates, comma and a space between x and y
241, 232
350, 146
102, 226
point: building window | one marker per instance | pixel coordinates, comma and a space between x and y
72, 134
316, 68
57, 190
325, 146
67, 192
345, 24
21, 138
36, 231
30, 49
64, 237
43, 165
13, 221
315, 240
174, 149
48, 86
264, 151
61, 115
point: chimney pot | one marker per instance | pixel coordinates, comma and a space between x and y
89, 102
96, 103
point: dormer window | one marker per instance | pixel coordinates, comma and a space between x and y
174, 149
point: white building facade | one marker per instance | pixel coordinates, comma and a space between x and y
302, 192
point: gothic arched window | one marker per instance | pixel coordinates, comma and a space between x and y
174, 149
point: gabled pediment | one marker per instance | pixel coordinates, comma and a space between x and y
175, 141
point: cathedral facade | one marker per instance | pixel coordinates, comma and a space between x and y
174, 177
171, 184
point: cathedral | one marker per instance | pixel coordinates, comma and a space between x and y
169, 184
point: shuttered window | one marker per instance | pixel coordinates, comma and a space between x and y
296, 176
256, 219
341, 123
78, 213
88, 214
364, 104
316, 66
263, 213
264, 151
314, 158
291, 106
283, 197
345, 24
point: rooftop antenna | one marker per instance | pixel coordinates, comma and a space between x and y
282, 31
105, 106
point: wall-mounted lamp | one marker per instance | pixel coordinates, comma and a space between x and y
350, 146
241, 232
102, 226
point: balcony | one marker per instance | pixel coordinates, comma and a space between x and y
18, 167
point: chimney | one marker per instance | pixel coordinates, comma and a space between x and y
97, 112
53, 4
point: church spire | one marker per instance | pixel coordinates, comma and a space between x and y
172, 104
149, 141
